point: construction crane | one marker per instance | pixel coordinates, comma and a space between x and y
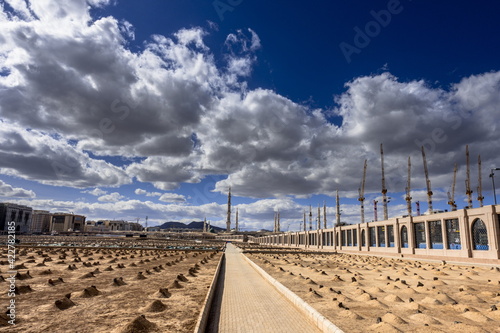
408, 188
428, 182
375, 210
384, 190
480, 182
451, 196
468, 190
362, 194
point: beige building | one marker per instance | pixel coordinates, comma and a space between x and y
41, 221
63, 222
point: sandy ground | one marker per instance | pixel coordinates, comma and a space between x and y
137, 305
373, 294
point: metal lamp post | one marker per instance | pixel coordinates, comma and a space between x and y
492, 176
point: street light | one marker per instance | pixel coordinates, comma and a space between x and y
492, 176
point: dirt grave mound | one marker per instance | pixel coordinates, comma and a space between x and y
139, 325
422, 318
175, 285
393, 319
163, 293
56, 281
19, 290
64, 303
118, 281
23, 276
87, 276
383, 327
156, 306
393, 299
92, 291
182, 278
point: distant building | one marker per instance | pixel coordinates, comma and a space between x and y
62, 222
111, 225
20, 214
153, 229
41, 221
134, 226
96, 226
116, 225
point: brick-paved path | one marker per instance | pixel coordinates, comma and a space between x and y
246, 303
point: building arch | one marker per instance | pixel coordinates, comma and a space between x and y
479, 235
404, 236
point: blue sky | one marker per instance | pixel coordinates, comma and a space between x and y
117, 110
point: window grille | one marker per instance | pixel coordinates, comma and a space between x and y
420, 235
381, 236
390, 235
436, 234
349, 237
453, 234
479, 235
343, 238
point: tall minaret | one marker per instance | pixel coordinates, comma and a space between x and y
205, 224
319, 217
236, 222
228, 221
337, 214
310, 218
275, 222
305, 228
278, 221
324, 214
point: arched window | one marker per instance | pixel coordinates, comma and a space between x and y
479, 235
404, 236
363, 238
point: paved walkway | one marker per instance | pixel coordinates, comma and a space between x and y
246, 303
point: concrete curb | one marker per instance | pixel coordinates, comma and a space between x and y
201, 324
319, 320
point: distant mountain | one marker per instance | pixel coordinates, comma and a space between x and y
193, 225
